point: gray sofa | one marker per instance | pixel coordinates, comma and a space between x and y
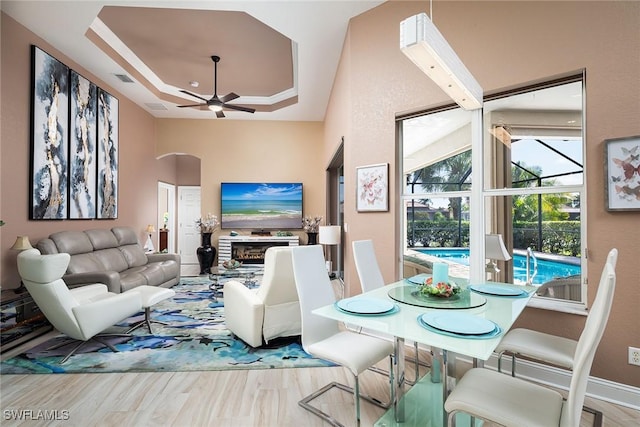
113, 257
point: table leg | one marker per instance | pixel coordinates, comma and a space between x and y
398, 360
440, 374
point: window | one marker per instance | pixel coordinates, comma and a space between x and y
533, 186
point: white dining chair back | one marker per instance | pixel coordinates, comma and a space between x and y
371, 278
367, 265
323, 338
587, 345
314, 291
514, 402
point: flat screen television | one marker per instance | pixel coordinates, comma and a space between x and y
261, 206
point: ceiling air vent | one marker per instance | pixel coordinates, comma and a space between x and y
156, 106
124, 78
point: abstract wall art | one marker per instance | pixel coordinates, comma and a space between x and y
107, 207
49, 136
82, 148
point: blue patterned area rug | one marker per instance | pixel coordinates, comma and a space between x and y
194, 339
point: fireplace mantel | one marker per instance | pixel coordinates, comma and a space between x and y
225, 243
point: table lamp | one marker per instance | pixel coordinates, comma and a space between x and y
149, 245
22, 243
329, 235
495, 250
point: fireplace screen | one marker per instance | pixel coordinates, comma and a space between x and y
252, 252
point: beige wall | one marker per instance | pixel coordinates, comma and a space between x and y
138, 171
504, 44
249, 151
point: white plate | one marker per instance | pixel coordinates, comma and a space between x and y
365, 305
459, 323
496, 290
419, 279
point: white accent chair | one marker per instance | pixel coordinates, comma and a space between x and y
272, 310
323, 338
81, 313
371, 278
511, 401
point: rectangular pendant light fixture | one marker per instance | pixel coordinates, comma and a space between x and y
423, 44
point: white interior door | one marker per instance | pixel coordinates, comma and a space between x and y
188, 234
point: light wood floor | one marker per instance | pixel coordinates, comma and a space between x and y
220, 399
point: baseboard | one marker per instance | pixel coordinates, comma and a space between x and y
597, 388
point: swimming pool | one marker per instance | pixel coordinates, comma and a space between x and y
547, 269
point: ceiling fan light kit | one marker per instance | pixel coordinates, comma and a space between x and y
425, 46
215, 103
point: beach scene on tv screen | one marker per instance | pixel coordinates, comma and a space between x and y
261, 205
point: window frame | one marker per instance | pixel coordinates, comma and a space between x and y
479, 192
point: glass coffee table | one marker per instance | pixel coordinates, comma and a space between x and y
246, 274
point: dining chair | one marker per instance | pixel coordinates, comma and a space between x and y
511, 401
541, 346
371, 278
82, 313
323, 338
547, 348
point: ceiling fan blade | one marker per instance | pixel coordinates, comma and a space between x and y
193, 94
192, 105
229, 97
219, 114
239, 108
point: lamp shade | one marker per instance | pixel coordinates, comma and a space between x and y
22, 243
425, 46
329, 235
150, 228
495, 248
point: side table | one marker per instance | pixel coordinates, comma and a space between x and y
20, 319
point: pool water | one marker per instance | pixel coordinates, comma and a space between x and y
547, 269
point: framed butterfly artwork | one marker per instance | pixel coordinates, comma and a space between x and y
622, 172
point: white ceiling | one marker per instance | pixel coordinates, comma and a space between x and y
318, 29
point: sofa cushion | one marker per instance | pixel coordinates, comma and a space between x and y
153, 273
102, 239
72, 242
84, 263
131, 279
134, 255
112, 259
125, 235
170, 269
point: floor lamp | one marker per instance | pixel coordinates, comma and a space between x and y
495, 250
329, 235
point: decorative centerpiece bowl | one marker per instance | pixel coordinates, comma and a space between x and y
439, 290
231, 264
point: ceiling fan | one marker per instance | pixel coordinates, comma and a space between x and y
216, 103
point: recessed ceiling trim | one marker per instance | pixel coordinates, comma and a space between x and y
101, 30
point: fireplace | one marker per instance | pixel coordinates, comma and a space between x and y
252, 252
250, 249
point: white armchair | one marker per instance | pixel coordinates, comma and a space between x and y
82, 313
271, 311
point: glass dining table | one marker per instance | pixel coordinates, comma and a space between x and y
470, 323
